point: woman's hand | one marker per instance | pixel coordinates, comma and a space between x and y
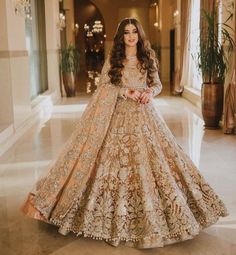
133, 94
146, 96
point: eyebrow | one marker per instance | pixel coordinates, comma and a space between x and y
133, 29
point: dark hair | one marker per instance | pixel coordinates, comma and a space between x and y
145, 54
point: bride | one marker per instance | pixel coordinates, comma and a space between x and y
122, 177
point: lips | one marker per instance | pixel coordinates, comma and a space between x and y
131, 41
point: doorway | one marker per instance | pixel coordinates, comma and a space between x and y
172, 58
90, 41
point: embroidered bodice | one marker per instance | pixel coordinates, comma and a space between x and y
132, 77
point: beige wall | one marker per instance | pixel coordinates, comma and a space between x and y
166, 19
16, 108
15, 102
6, 110
175, 23
70, 24
154, 32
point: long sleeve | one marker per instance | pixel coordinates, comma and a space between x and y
156, 84
122, 93
106, 81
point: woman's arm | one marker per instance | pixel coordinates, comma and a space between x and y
156, 85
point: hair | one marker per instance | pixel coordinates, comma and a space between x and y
145, 54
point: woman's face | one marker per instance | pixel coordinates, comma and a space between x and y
130, 35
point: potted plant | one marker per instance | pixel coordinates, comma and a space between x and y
69, 66
216, 44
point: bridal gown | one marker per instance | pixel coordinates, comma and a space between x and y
122, 177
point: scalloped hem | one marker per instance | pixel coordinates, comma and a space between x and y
144, 242
152, 241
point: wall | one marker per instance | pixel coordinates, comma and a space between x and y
13, 63
17, 111
166, 18
154, 32
68, 5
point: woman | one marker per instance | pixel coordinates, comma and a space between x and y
122, 177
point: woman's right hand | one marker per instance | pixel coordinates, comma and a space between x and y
133, 94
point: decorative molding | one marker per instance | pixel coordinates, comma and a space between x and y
192, 95
53, 51
40, 106
13, 53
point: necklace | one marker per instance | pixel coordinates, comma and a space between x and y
131, 57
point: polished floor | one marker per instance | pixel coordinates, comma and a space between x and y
22, 165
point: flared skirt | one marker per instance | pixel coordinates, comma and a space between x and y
144, 190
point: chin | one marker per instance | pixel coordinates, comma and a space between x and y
131, 44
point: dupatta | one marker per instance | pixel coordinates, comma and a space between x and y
68, 177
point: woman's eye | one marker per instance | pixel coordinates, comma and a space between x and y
135, 32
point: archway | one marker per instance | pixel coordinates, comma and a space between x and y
90, 41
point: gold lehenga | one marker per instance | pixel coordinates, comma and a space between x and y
122, 177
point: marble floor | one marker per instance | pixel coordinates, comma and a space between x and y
23, 164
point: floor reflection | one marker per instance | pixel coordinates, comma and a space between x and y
196, 131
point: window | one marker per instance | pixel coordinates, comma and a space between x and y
36, 46
194, 44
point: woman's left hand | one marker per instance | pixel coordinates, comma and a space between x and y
145, 97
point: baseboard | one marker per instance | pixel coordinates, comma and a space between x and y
192, 95
41, 107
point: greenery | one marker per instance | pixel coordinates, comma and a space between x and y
214, 53
69, 59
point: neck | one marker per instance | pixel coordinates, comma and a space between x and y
130, 51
